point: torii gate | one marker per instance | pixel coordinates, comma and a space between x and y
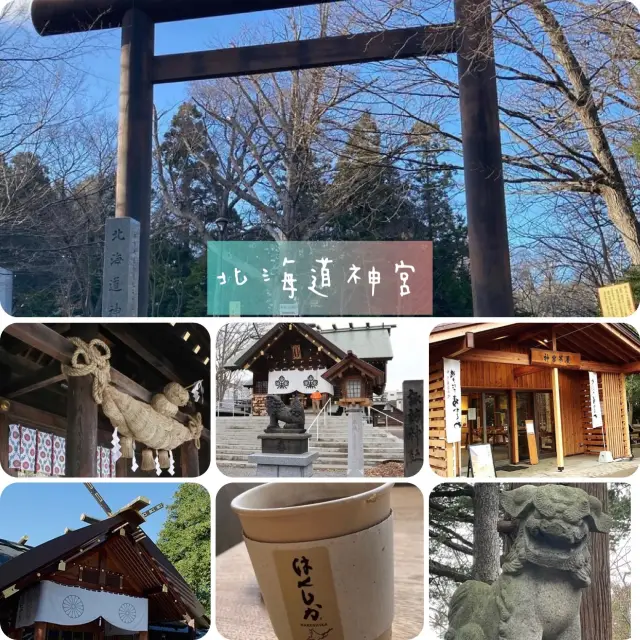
470, 37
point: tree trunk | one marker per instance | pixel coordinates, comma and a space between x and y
595, 612
486, 542
612, 188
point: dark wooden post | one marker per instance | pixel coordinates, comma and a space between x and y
189, 462
122, 467
4, 438
82, 420
40, 631
482, 153
133, 181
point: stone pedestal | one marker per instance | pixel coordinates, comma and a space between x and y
285, 454
284, 465
356, 443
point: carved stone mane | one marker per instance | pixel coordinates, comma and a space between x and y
538, 594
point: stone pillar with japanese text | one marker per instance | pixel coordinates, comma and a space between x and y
6, 290
121, 268
355, 455
413, 408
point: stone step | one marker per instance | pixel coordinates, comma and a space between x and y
380, 453
327, 463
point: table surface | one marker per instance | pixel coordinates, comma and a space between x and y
241, 614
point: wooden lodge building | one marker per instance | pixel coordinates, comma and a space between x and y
52, 425
297, 358
104, 580
515, 376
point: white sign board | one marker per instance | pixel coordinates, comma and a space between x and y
471, 413
481, 459
452, 400
596, 412
530, 426
289, 309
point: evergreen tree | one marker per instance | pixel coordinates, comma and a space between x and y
185, 539
434, 219
367, 192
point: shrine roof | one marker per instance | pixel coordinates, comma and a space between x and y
368, 342
602, 342
10, 550
133, 549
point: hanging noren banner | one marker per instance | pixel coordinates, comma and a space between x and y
596, 412
452, 400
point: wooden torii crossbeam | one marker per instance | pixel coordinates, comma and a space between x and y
470, 37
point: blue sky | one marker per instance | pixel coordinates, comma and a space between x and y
43, 510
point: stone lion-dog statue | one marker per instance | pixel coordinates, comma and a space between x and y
538, 594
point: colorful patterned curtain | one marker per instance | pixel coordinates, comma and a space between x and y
33, 451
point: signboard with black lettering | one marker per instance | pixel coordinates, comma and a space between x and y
559, 359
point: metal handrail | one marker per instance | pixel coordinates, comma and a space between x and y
385, 415
317, 418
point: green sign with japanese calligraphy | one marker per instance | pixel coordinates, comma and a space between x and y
319, 278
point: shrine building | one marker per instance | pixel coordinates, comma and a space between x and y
104, 580
105, 399
295, 358
531, 391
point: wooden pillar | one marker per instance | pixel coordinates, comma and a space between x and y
122, 468
40, 631
513, 423
482, 154
4, 437
82, 420
189, 461
557, 411
626, 436
133, 179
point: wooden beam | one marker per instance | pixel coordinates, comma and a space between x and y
69, 16
632, 367
601, 367
45, 377
45, 339
528, 370
557, 410
156, 360
89, 519
501, 357
394, 44
462, 345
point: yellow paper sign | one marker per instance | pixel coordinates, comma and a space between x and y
309, 593
616, 301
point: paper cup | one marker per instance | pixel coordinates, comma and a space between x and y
323, 557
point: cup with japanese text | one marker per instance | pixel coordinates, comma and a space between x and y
323, 557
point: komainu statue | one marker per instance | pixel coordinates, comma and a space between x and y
292, 415
538, 594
